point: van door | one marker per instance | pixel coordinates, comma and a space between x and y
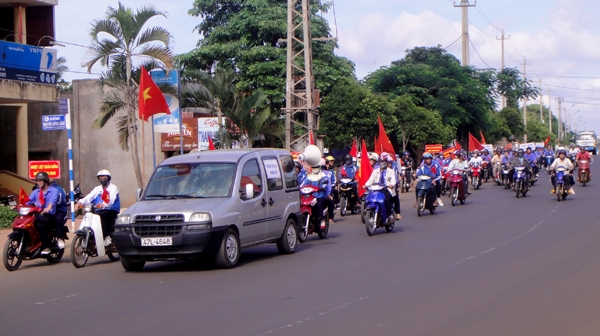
254, 211
276, 196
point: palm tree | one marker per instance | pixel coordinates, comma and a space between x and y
249, 115
116, 41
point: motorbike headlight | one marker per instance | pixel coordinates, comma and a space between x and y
123, 219
200, 217
24, 211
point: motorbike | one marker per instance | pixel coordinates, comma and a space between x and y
423, 185
485, 173
540, 163
376, 215
519, 179
457, 192
311, 221
77, 196
348, 196
532, 178
445, 179
505, 177
404, 179
560, 190
584, 172
89, 240
476, 176
498, 175
548, 159
24, 242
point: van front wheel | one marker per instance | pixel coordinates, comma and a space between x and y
229, 252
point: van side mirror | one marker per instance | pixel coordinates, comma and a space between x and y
138, 194
249, 191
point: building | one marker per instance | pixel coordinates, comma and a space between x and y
27, 76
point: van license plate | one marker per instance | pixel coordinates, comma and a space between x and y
162, 241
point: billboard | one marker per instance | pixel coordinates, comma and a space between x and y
52, 167
208, 127
167, 123
170, 141
27, 63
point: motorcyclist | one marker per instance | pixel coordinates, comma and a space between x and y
476, 159
532, 158
584, 155
384, 176
496, 163
391, 164
61, 211
549, 151
330, 166
373, 158
409, 163
563, 162
300, 172
317, 178
106, 201
330, 198
520, 161
459, 163
428, 168
45, 197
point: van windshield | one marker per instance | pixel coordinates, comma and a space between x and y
191, 180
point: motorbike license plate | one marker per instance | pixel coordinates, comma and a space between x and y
159, 241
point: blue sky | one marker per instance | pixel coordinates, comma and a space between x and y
560, 38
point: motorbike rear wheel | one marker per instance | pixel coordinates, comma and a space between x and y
79, 254
370, 222
583, 178
454, 196
559, 192
343, 206
518, 188
11, 260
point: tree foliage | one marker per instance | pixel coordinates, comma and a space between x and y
247, 37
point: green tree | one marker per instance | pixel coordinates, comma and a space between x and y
246, 36
511, 85
418, 126
350, 111
498, 130
116, 41
436, 81
513, 120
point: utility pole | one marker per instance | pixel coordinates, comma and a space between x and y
501, 39
525, 100
301, 96
464, 5
559, 120
549, 111
541, 103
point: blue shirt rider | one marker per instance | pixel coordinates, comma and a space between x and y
48, 202
317, 178
431, 169
349, 169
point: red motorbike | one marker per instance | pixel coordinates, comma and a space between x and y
311, 220
24, 242
584, 172
457, 190
486, 170
445, 180
476, 176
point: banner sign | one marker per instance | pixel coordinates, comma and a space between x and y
434, 148
208, 127
490, 148
525, 145
54, 122
167, 123
170, 141
27, 63
52, 167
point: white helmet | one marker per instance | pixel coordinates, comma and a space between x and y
103, 172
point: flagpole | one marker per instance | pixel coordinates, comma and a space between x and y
180, 112
153, 145
143, 149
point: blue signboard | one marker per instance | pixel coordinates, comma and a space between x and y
63, 105
54, 122
167, 123
27, 63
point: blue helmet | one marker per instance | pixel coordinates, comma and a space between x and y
427, 156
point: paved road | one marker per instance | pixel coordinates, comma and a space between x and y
495, 266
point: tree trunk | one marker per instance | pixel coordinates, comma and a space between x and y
135, 156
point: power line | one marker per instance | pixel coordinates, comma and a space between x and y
478, 54
571, 88
451, 44
480, 29
480, 10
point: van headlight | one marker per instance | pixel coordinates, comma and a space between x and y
201, 217
123, 219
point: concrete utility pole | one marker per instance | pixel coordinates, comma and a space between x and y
525, 100
464, 5
301, 96
501, 39
549, 111
559, 99
541, 103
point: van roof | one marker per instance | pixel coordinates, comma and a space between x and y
221, 155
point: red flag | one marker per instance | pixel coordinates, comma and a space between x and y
474, 144
509, 146
41, 199
457, 145
23, 198
354, 150
376, 148
365, 170
547, 141
384, 141
105, 196
311, 138
150, 99
482, 137
211, 146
